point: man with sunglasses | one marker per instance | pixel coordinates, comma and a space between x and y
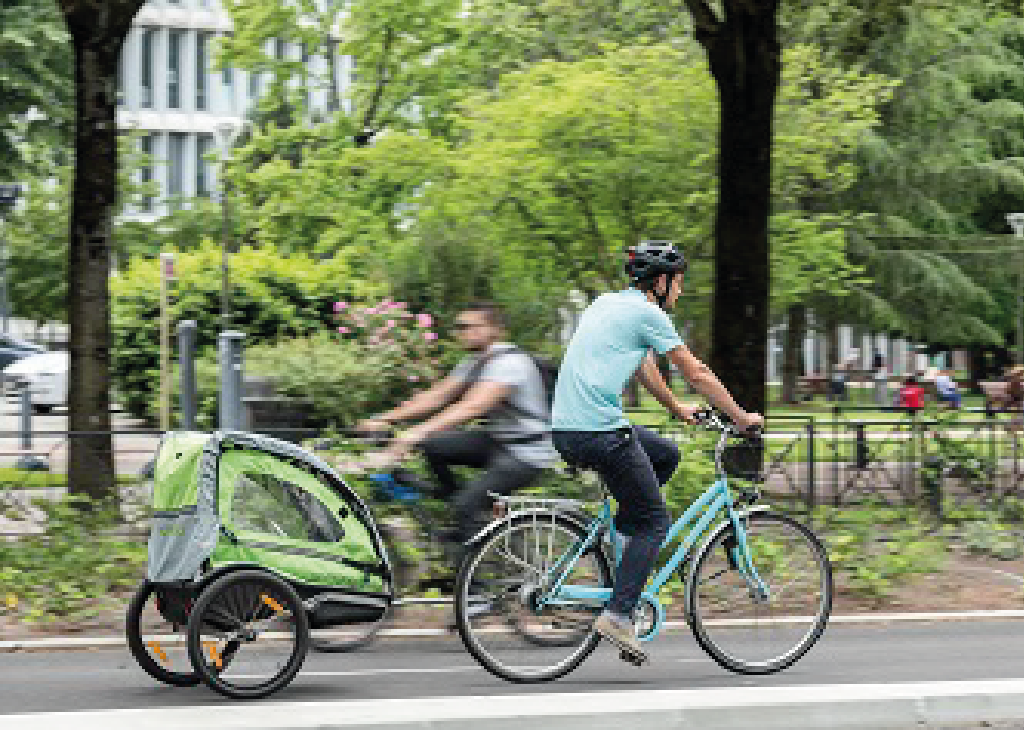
614, 339
496, 380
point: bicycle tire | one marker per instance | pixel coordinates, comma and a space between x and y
236, 600
700, 612
140, 650
464, 614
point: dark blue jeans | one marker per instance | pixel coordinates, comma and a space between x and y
635, 463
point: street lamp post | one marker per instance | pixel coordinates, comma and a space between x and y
9, 194
226, 133
1016, 221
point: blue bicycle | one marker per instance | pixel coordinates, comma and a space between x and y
757, 592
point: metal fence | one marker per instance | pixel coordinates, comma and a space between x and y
835, 460
907, 459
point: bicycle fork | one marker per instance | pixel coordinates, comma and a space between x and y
737, 552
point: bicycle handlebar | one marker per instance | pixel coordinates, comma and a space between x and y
712, 420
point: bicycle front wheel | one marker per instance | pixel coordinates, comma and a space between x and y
763, 620
497, 591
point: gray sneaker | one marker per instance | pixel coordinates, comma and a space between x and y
623, 636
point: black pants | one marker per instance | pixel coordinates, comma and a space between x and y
503, 473
634, 463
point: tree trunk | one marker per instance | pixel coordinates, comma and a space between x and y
98, 29
793, 354
745, 59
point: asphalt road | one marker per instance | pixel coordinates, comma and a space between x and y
440, 667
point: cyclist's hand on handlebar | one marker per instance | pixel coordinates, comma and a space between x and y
690, 414
373, 425
750, 422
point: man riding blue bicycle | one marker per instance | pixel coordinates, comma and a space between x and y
495, 380
614, 340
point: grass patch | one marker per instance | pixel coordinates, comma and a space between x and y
72, 570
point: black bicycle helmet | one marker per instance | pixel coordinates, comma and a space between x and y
650, 259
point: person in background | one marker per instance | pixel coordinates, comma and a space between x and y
837, 383
946, 388
911, 395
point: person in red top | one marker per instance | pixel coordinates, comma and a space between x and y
911, 395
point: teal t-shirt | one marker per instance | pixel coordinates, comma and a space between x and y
614, 335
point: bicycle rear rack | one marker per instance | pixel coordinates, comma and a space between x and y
505, 505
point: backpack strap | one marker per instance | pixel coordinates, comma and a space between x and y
474, 375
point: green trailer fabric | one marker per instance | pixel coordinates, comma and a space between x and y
236, 497
289, 519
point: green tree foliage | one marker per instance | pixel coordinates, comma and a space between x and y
621, 147
947, 159
37, 242
36, 75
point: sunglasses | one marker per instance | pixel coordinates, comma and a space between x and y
460, 326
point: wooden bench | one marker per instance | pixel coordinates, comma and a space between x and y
808, 386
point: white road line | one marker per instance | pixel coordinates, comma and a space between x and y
791, 707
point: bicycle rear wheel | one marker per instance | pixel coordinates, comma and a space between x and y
496, 593
744, 627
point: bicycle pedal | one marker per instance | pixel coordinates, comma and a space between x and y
631, 658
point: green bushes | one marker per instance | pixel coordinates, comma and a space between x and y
273, 297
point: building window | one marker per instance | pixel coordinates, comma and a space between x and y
120, 79
307, 76
204, 143
147, 69
175, 168
227, 81
332, 61
174, 39
146, 176
202, 45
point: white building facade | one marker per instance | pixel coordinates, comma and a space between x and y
171, 93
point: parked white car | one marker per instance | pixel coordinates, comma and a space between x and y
46, 376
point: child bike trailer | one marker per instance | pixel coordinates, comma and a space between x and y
254, 542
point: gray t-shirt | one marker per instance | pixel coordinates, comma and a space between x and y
530, 414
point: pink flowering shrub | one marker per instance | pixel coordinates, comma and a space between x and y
370, 359
388, 331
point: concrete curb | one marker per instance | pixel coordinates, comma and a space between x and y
58, 643
908, 705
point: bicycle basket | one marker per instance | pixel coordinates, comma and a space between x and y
744, 459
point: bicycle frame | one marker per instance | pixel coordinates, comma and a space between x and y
701, 514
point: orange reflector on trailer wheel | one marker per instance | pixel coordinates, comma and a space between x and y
159, 651
272, 603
